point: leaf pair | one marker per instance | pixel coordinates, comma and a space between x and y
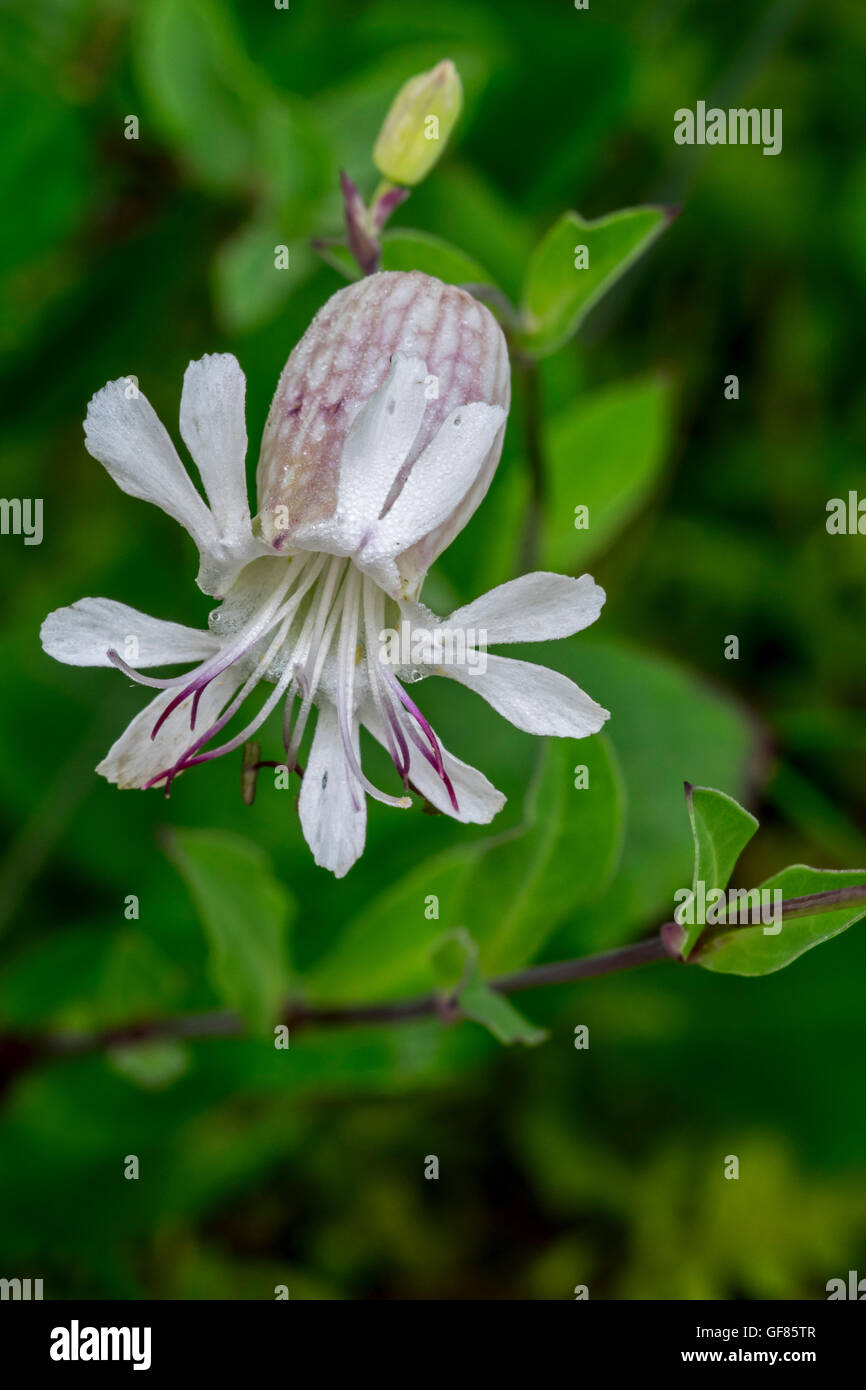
721, 829
455, 963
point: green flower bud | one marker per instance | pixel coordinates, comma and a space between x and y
418, 124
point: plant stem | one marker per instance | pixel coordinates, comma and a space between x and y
824, 902
18, 1052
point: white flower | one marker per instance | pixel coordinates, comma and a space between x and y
382, 439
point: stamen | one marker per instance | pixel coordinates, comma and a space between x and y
244, 640
299, 683
344, 598
156, 682
374, 622
188, 760
403, 761
409, 704
346, 690
283, 617
434, 753
313, 640
274, 611
441, 773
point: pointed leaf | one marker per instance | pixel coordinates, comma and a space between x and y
337, 255
721, 829
153, 1066
455, 963
245, 914
482, 1004
410, 250
449, 956
249, 287
605, 452
384, 951
755, 950
528, 880
558, 293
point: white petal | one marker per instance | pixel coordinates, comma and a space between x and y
374, 451
379, 441
135, 758
438, 480
214, 430
223, 561
333, 828
126, 435
82, 634
478, 801
532, 697
534, 608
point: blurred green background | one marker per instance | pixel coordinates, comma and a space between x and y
558, 1167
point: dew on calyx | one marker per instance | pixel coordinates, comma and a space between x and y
225, 624
415, 676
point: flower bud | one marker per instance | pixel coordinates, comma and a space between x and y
341, 361
418, 124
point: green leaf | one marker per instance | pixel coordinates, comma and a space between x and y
38, 128
199, 87
39, 256
153, 1066
245, 914
481, 1003
606, 453
511, 890
721, 829
385, 950
449, 956
249, 288
556, 294
88, 978
295, 166
754, 951
527, 881
137, 979
229, 125
665, 724
467, 206
337, 255
455, 964
409, 250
